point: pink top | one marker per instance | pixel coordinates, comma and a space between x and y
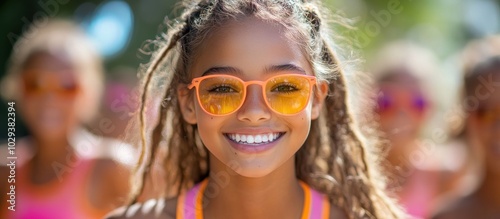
316, 205
419, 194
59, 199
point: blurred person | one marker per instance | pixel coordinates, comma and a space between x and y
481, 105
417, 176
55, 78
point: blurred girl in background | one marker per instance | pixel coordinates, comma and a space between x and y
404, 73
55, 77
481, 105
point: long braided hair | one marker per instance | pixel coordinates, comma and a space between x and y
334, 159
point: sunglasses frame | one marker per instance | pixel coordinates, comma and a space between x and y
408, 104
51, 87
195, 83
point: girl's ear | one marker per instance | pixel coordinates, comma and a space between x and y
186, 104
319, 99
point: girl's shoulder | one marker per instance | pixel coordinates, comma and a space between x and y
108, 182
151, 209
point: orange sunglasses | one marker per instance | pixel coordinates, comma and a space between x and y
57, 82
285, 94
391, 101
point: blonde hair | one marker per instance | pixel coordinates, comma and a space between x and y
417, 61
58, 37
333, 160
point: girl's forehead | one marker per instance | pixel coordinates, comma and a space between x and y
46, 67
47, 62
401, 76
249, 44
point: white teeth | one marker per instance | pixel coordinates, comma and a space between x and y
264, 138
254, 139
258, 139
250, 139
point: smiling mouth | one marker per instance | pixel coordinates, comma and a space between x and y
254, 139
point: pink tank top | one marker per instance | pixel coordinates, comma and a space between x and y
420, 194
63, 199
189, 204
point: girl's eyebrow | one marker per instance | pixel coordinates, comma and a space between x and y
221, 69
270, 69
285, 67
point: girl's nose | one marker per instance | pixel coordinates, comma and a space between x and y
254, 109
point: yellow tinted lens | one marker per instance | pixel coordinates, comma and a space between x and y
220, 95
288, 94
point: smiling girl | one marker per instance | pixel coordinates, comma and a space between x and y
255, 119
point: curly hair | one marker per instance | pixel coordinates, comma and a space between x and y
334, 159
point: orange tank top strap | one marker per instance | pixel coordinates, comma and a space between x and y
189, 204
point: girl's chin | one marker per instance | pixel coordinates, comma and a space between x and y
254, 171
258, 166
50, 133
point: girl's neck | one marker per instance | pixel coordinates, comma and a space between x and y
400, 151
51, 151
229, 195
53, 159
